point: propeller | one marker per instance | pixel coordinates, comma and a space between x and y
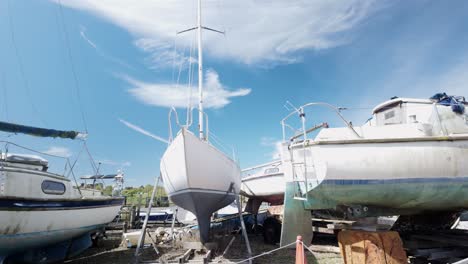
143, 131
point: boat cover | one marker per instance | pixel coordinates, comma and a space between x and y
27, 159
457, 103
39, 132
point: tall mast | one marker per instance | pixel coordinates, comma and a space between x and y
200, 74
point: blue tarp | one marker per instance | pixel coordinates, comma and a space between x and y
457, 103
37, 131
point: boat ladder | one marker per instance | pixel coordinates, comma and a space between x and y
300, 180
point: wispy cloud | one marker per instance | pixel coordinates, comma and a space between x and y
163, 54
58, 151
268, 141
216, 95
83, 35
143, 131
274, 143
276, 153
262, 32
99, 51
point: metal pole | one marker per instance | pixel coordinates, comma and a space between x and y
244, 231
174, 215
200, 74
145, 223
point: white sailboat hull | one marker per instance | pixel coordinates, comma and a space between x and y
269, 187
417, 175
199, 178
37, 228
32, 218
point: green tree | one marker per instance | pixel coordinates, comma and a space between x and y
108, 190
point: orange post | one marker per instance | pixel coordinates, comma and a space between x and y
300, 256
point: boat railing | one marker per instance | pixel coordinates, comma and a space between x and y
255, 169
229, 150
172, 110
299, 163
302, 132
188, 123
208, 136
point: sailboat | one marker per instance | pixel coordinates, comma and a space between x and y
44, 216
409, 159
264, 183
197, 176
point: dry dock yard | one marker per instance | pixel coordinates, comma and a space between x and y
447, 246
111, 250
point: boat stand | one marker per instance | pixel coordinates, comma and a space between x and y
145, 223
244, 231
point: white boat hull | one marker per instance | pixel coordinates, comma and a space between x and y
415, 175
22, 229
199, 178
269, 188
39, 209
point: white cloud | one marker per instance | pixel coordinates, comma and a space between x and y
143, 131
268, 141
453, 81
272, 143
257, 31
83, 35
276, 154
420, 82
99, 51
58, 151
215, 94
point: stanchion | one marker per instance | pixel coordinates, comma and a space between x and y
300, 256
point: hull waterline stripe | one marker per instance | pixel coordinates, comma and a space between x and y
200, 190
92, 227
393, 181
12, 204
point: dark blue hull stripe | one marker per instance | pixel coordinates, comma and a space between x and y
25, 204
447, 180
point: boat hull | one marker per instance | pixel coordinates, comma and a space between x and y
199, 178
268, 188
409, 176
33, 224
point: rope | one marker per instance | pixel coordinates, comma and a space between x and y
266, 253
75, 76
310, 250
274, 250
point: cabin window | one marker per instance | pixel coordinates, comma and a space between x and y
53, 187
390, 114
271, 170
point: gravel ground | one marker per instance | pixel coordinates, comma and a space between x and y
109, 252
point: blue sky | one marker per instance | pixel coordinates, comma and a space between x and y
126, 58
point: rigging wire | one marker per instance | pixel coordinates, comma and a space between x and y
5, 96
72, 66
91, 159
190, 79
21, 66
174, 58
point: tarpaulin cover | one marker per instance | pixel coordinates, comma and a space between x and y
457, 103
37, 131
